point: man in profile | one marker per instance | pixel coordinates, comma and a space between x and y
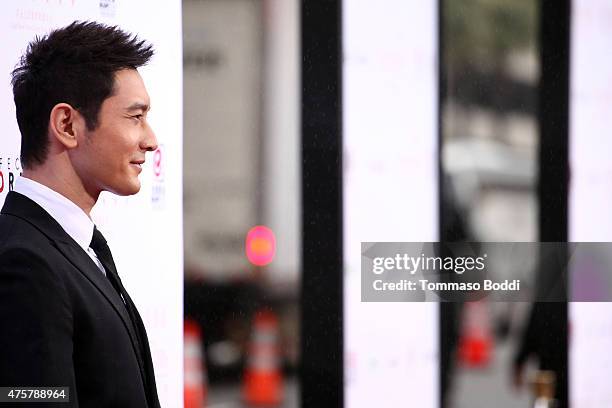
66, 318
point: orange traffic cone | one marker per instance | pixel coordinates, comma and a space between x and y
263, 383
475, 340
194, 367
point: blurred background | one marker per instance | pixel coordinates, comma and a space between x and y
490, 142
461, 113
241, 198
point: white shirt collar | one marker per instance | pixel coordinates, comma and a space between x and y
68, 215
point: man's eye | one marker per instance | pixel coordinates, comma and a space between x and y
137, 117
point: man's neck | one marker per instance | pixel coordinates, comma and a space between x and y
67, 185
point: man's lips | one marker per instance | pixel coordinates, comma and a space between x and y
138, 164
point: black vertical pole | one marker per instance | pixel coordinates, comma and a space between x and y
554, 114
553, 181
322, 293
447, 315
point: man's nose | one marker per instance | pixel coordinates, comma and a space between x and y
149, 142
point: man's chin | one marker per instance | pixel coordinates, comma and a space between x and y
126, 190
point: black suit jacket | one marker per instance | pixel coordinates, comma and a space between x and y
62, 322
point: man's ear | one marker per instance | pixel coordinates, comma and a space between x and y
65, 125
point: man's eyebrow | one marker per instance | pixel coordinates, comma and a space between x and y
138, 106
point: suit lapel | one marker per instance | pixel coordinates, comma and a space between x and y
87, 267
22, 207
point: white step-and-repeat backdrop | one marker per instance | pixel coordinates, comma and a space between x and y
590, 198
390, 120
144, 231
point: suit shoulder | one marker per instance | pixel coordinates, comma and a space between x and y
27, 276
18, 233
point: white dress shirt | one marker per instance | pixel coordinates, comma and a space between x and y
68, 215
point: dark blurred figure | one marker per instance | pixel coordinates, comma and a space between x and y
545, 336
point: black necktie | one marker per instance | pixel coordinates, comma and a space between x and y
103, 252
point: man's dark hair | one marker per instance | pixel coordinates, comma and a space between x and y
75, 65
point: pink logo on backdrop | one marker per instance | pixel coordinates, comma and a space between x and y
158, 191
157, 162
